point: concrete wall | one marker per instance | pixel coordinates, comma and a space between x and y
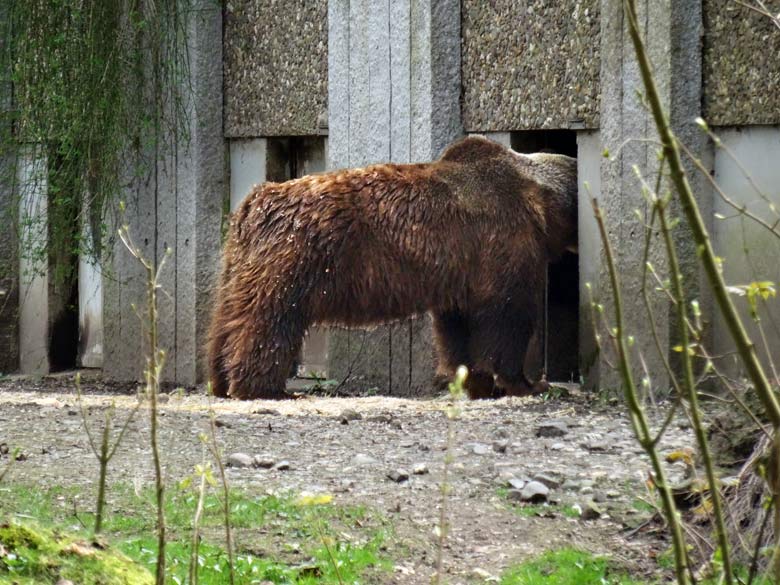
393, 87
530, 64
276, 76
749, 250
741, 64
176, 205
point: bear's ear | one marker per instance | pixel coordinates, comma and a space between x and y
473, 148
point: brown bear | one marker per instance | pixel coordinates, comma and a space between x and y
466, 238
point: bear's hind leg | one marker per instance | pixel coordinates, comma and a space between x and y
451, 335
502, 338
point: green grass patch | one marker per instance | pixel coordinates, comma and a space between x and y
281, 538
566, 567
31, 555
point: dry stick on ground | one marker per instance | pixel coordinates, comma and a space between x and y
154, 365
745, 346
637, 414
689, 384
205, 476
106, 451
216, 452
453, 413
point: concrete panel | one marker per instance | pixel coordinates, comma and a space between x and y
590, 251
276, 67
33, 262
90, 312
247, 167
749, 250
530, 65
741, 70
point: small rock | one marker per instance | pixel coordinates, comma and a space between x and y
571, 485
557, 447
398, 475
484, 576
586, 489
64, 582
480, 449
221, 422
591, 511
552, 429
348, 415
380, 418
595, 445
282, 465
500, 446
420, 469
516, 483
4, 449
240, 460
163, 398
266, 411
363, 459
547, 480
599, 496
264, 461
346, 485
534, 491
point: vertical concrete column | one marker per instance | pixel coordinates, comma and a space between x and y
201, 190
393, 95
90, 354
672, 38
33, 261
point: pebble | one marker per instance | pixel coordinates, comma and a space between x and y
500, 446
534, 491
283, 465
547, 480
240, 460
420, 469
264, 461
591, 511
517, 484
363, 459
348, 415
266, 411
398, 475
480, 449
552, 429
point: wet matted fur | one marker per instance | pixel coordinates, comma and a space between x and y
466, 238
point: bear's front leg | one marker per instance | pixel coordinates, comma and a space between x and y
263, 356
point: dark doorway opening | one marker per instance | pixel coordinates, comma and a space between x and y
563, 281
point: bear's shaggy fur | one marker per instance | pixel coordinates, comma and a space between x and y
466, 238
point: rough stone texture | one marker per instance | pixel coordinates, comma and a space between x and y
177, 208
741, 65
530, 65
673, 46
276, 67
393, 85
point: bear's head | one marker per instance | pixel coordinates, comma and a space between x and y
545, 183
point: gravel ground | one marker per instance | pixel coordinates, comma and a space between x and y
350, 446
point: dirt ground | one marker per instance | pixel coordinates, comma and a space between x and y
592, 458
